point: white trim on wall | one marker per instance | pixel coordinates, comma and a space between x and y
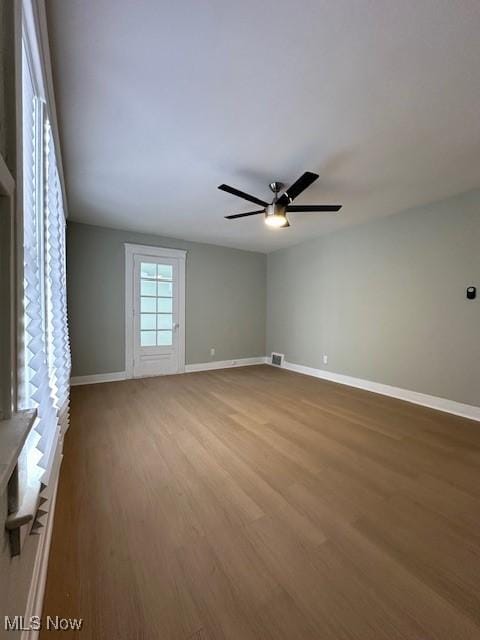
189, 368
97, 378
131, 250
160, 252
423, 399
39, 576
223, 364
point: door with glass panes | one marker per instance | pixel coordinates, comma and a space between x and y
156, 317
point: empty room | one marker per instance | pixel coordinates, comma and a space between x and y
240, 319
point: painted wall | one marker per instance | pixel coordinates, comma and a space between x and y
7, 84
4, 55
386, 300
225, 299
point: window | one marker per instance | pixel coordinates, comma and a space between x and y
45, 362
34, 273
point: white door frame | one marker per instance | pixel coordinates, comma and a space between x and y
157, 252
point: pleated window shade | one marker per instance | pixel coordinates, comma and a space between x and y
57, 338
46, 354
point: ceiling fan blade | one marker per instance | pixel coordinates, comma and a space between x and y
244, 215
298, 187
299, 208
242, 194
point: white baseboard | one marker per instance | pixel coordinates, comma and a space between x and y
98, 377
39, 576
223, 364
434, 402
189, 368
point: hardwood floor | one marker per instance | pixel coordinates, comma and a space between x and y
258, 503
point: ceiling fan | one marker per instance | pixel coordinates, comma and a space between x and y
276, 211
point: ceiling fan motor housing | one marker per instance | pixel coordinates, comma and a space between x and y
275, 209
276, 187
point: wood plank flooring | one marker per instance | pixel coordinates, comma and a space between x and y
255, 503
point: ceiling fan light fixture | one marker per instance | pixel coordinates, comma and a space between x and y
276, 221
275, 216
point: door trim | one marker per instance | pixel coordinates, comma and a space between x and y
132, 250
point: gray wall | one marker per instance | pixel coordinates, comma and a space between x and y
225, 299
7, 84
386, 300
4, 56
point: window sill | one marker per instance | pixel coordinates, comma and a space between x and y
13, 433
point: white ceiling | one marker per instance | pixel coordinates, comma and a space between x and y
159, 102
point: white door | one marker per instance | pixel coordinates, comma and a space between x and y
157, 297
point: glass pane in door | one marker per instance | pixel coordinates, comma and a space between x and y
148, 338
156, 304
164, 305
148, 305
148, 270
148, 321
165, 289
164, 338
164, 321
148, 288
164, 272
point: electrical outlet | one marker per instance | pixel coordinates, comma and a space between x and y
212, 352
325, 358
